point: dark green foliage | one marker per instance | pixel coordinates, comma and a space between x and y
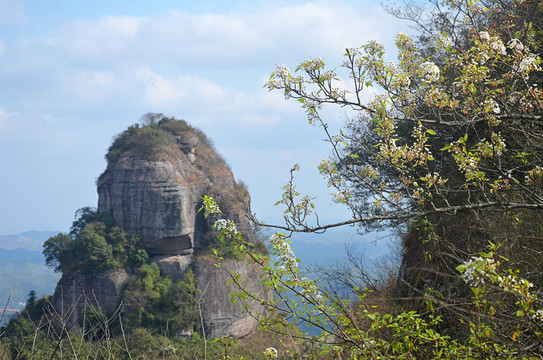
142, 142
159, 303
55, 251
95, 244
87, 215
33, 312
154, 139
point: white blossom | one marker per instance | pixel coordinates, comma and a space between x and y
271, 352
498, 46
431, 71
403, 39
537, 315
492, 106
516, 45
526, 65
444, 41
475, 270
211, 207
227, 226
484, 35
284, 251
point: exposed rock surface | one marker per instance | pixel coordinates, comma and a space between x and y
174, 266
155, 191
74, 292
159, 199
154, 200
222, 317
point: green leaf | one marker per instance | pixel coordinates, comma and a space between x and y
461, 268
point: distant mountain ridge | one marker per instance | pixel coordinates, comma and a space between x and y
29, 240
21, 256
22, 268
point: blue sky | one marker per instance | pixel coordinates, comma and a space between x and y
72, 76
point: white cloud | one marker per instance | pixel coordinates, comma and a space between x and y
107, 37
164, 91
235, 39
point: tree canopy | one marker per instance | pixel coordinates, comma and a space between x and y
449, 149
95, 243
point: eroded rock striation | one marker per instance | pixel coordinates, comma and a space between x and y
153, 186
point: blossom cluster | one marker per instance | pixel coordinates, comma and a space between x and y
342, 196
307, 289
491, 106
430, 71
476, 270
488, 150
271, 353
228, 227
537, 315
444, 41
512, 283
210, 206
516, 45
284, 251
526, 65
278, 78
495, 43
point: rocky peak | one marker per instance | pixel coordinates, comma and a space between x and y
155, 192
153, 185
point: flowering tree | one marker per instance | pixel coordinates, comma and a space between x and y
446, 137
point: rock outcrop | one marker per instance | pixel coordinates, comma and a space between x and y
153, 189
75, 292
225, 318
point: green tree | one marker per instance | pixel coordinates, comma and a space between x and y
95, 243
83, 217
158, 303
54, 250
454, 132
91, 252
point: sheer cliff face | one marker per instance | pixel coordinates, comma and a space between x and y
153, 199
75, 292
158, 199
225, 318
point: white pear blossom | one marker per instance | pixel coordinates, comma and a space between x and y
526, 65
537, 315
444, 41
498, 46
484, 35
516, 45
475, 270
228, 226
492, 106
284, 251
431, 71
271, 352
